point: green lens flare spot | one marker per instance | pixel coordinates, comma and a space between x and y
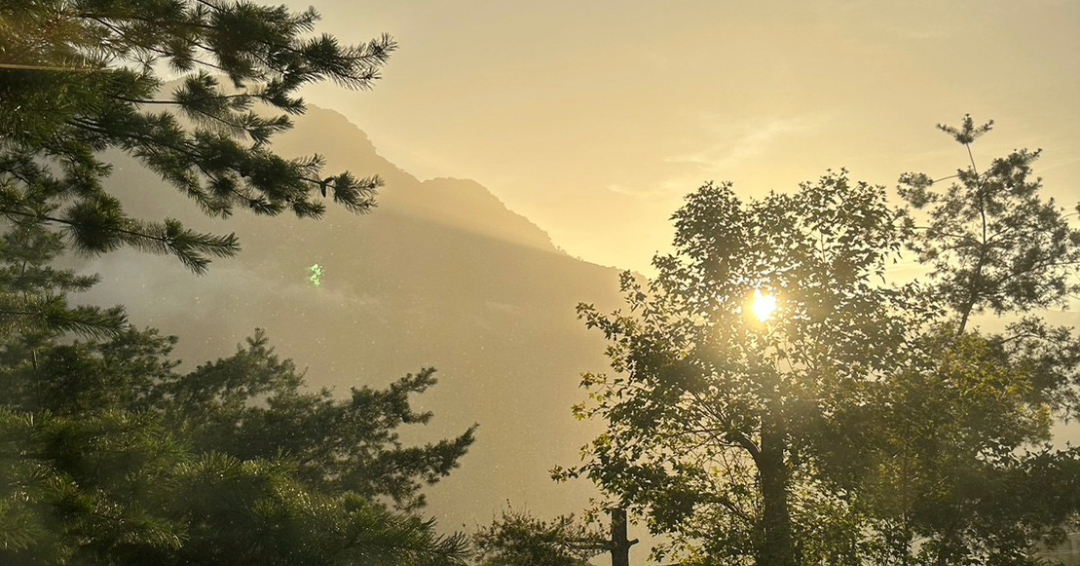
316, 274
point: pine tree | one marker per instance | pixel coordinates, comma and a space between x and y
954, 452
519, 539
109, 455
254, 405
99, 462
35, 308
78, 77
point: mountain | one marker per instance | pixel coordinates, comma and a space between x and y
440, 274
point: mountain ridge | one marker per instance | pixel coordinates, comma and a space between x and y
440, 274
460, 191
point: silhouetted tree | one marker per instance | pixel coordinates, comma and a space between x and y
862, 422
704, 410
519, 539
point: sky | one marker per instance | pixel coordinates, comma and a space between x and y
594, 118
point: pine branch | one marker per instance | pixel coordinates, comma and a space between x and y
20, 67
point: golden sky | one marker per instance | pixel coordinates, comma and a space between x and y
594, 118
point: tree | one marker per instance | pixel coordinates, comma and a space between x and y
33, 295
862, 422
704, 410
109, 455
253, 405
519, 539
78, 77
117, 488
964, 436
992, 242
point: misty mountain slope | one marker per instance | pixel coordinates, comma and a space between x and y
462, 203
440, 274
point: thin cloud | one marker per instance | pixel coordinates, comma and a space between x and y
730, 144
736, 143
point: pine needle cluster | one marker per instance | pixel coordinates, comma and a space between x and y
78, 77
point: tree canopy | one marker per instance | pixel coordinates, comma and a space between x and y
78, 77
863, 421
110, 455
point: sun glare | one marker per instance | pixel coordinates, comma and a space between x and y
764, 305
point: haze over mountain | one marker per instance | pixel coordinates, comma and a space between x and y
440, 274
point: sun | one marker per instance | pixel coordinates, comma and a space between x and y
764, 305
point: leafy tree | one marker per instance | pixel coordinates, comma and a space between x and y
519, 539
78, 77
705, 408
862, 422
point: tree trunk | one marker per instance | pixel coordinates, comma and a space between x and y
620, 545
779, 547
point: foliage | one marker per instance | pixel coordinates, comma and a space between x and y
961, 441
519, 539
864, 422
117, 488
993, 243
33, 295
252, 405
110, 455
78, 490
706, 400
79, 77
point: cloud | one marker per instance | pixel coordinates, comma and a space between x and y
730, 143
735, 143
